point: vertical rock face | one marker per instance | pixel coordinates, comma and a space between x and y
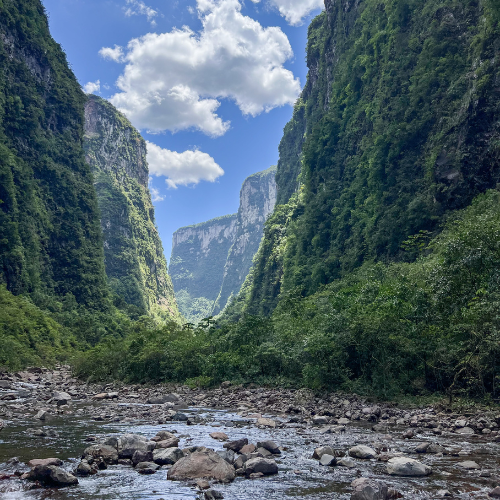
50, 240
257, 200
211, 260
197, 265
135, 264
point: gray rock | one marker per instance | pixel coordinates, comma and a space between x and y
213, 495
42, 415
465, 430
270, 446
108, 453
323, 450
369, 489
141, 456
362, 451
202, 464
61, 398
228, 455
266, 466
240, 461
83, 469
236, 445
328, 460
469, 465
167, 456
320, 420
52, 476
347, 462
403, 466
128, 444
147, 465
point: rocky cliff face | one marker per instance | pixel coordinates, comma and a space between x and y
50, 239
197, 265
257, 200
211, 260
135, 264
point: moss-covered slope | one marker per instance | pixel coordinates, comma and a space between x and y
397, 127
135, 264
50, 238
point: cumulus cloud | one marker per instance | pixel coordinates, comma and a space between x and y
294, 11
137, 7
175, 80
155, 195
182, 169
92, 87
115, 54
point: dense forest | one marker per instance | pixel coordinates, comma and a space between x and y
379, 267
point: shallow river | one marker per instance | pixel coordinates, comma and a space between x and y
299, 475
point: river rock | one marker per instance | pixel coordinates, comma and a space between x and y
108, 453
469, 465
61, 398
495, 493
141, 456
270, 446
266, 466
213, 495
84, 469
228, 455
168, 443
45, 461
168, 456
247, 449
202, 464
146, 467
266, 422
346, 462
52, 476
403, 466
465, 430
369, 489
164, 436
323, 450
128, 444
362, 451
42, 415
236, 445
240, 461
220, 436
328, 460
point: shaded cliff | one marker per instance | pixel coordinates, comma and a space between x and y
396, 128
135, 264
199, 254
50, 239
210, 261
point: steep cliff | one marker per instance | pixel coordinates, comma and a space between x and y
210, 261
135, 264
257, 201
50, 239
199, 253
396, 128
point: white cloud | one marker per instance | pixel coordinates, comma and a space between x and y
175, 80
294, 11
115, 54
92, 87
155, 195
182, 169
137, 7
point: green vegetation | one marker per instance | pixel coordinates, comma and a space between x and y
135, 264
404, 328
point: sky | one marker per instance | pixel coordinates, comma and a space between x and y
209, 83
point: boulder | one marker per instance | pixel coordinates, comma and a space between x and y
240, 461
403, 466
146, 467
42, 415
266, 466
84, 469
128, 444
323, 450
369, 489
165, 398
45, 461
228, 455
140, 456
52, 476
167, 456
236, 445
61, 398
266, 422
108, 453
320, 420
202, 464
213, 495
465, 430
270, 446
346, 462
469, 465
247, 449
220, 436
362, 451
168, 443
495, 493
328, 460
164, 436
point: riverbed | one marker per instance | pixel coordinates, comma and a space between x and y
70, 428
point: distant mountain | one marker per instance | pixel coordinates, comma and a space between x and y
135, 263
211, 260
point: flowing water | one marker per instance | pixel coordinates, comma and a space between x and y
299, 475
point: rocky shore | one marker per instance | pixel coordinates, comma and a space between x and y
369, 447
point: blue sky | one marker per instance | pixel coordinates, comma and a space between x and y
208, 82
